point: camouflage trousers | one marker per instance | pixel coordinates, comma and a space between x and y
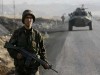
37, 73
22, 71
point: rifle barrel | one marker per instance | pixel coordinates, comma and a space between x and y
54, 70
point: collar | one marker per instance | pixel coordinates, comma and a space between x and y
27, 30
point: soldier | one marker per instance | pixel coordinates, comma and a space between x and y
31, 40
63, 19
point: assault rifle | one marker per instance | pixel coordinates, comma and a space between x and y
29, 56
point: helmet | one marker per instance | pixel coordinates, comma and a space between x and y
27, 12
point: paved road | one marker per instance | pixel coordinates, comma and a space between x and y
76, 52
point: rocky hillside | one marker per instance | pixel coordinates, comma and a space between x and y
9, 24
6, 64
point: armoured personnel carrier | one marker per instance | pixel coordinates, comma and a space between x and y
80, 18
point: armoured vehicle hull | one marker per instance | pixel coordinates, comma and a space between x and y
81, 19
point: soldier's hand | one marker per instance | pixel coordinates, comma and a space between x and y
19, 56
47, 66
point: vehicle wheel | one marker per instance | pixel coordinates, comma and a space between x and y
70, 27
90, 26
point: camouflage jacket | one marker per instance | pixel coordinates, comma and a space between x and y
31, 40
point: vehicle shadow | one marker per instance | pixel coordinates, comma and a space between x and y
81, 30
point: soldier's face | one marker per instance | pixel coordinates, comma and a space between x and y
28, 21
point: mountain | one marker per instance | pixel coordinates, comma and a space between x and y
3, 30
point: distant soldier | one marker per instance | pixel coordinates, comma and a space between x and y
90, 14
63, 19
31, 40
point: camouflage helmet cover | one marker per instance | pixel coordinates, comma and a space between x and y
27, 12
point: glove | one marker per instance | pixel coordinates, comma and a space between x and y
47, 66
19, 56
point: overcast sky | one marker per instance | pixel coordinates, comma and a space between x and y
49, 1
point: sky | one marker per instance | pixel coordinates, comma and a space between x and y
49, 1
70, 2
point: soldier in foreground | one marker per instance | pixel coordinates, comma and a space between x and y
31, 40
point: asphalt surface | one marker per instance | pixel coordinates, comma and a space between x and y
74, 52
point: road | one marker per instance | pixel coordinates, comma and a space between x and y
75, 52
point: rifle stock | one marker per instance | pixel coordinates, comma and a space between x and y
27, 54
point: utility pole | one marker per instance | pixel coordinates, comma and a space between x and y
14, 16
14, 8
2, 8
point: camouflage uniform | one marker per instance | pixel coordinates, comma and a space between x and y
31, 40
